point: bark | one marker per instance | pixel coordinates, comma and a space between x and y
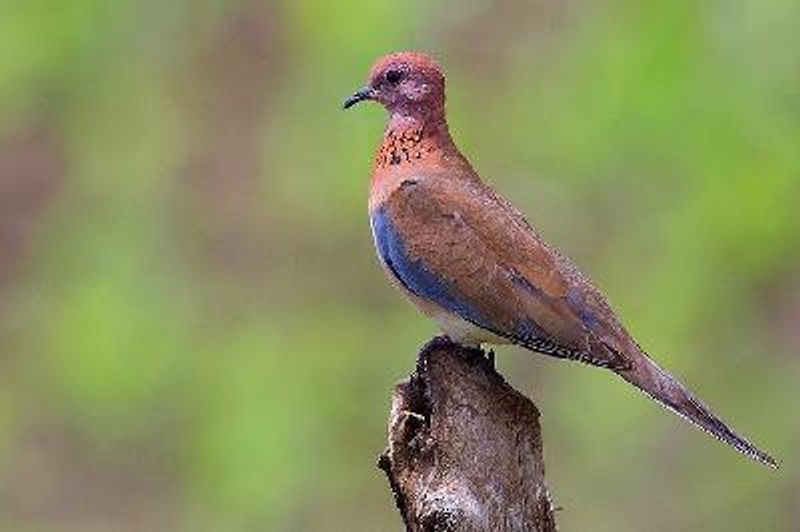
465, 448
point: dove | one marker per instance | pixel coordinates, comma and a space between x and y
471, 261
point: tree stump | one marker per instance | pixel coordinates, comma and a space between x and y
465, 448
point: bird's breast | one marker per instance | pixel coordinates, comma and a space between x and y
383, 184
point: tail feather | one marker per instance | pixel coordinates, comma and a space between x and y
665, 389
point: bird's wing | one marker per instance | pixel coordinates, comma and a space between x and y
460, 245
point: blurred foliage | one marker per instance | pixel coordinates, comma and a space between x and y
194, 333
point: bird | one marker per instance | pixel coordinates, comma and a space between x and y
469, 260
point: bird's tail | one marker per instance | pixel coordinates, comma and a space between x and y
673, 395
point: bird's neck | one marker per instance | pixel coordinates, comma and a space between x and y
420, 140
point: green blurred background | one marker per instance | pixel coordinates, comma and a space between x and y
194, 332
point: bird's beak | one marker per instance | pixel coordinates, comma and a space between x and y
359, 96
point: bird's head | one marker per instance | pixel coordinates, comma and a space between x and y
407, 83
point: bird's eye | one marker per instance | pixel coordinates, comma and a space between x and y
393, 76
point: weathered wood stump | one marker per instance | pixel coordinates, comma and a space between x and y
465, 448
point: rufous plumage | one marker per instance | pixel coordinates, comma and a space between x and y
470, 261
